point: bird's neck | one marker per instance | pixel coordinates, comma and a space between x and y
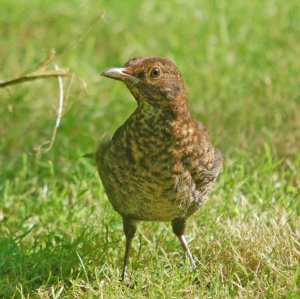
177, 110
168, 122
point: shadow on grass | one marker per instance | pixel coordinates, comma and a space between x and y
52, 259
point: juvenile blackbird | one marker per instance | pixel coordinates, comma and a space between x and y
160, 164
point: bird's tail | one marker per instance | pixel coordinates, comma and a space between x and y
90, 156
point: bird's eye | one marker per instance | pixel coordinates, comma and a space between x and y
155, 72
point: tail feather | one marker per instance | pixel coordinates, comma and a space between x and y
90, 156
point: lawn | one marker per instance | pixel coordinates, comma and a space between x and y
59, 235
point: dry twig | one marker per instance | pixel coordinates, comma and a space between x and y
38, 72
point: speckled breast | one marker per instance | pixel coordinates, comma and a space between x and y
142, 177
147, 190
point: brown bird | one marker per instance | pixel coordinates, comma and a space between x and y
160, 164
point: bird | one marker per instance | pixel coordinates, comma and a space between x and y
160, 165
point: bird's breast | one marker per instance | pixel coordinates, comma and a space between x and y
144, 170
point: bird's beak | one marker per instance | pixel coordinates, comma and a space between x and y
117, 73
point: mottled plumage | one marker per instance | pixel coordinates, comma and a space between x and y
160, 164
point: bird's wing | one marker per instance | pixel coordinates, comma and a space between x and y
216, 168
104, 145
204, 163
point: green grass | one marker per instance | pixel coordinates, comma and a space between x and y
59, 236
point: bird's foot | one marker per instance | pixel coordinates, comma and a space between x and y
126, 279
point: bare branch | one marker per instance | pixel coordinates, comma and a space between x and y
32, 77
38, 72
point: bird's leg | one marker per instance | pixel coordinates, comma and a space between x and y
129, 227
178, 226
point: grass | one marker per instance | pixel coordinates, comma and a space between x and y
59, 236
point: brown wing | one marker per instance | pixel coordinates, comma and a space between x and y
203, 162
216, 168
100, 155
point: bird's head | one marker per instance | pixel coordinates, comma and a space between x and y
152, 80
